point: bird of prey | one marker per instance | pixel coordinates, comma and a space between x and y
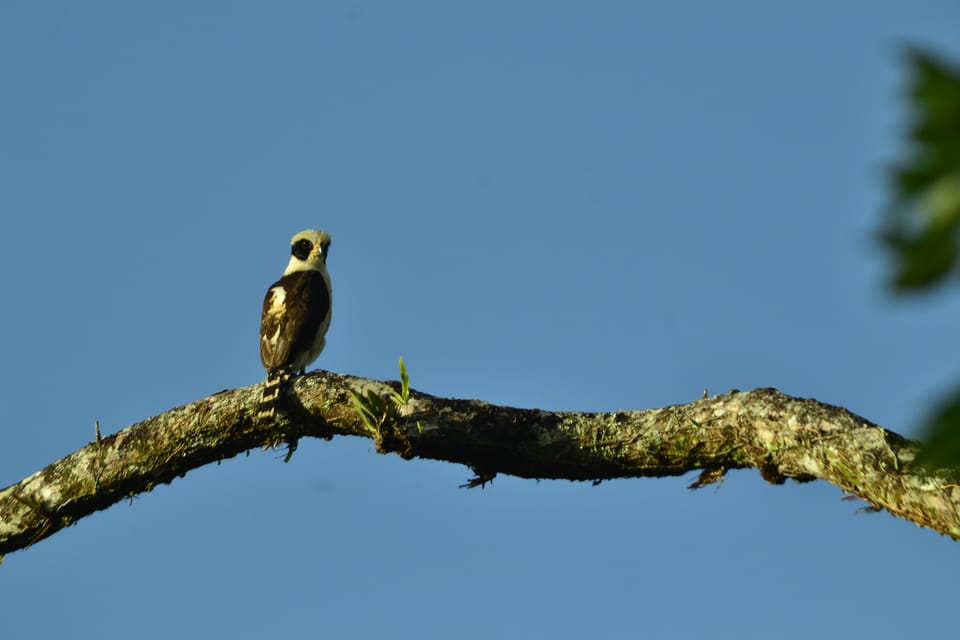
296, 314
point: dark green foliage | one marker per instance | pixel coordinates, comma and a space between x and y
922, 230
923, 226
942, 446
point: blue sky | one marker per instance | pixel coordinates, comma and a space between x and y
574, 206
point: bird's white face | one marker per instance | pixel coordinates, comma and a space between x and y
308, 250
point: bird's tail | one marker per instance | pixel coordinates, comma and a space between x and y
271, 394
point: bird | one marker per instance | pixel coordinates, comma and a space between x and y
296, 314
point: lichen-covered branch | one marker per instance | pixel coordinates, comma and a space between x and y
781, 436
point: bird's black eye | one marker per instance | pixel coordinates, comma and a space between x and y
301, 249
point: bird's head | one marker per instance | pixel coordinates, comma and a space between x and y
308, 250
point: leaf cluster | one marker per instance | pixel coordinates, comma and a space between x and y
375, 410
922, 230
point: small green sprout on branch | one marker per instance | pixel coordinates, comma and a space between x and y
375, 411
403, 398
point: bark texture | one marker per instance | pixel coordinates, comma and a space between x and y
783, 437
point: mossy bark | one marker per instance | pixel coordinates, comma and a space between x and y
783, 437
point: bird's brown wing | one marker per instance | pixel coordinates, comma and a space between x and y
293, 311
276, 330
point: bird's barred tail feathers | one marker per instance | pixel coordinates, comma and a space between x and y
271, 395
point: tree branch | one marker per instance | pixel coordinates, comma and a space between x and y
781, 436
